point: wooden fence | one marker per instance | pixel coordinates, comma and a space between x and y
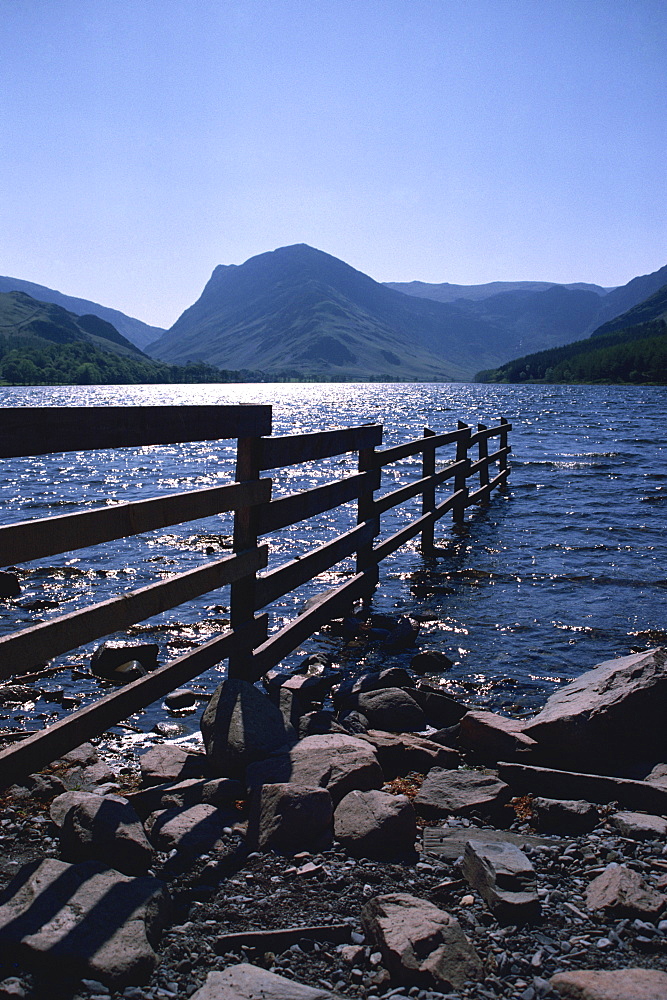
247, 645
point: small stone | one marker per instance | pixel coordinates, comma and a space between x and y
621, 891
619, 984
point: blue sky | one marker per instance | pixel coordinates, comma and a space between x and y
143, 142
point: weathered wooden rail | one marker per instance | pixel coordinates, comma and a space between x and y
247, 645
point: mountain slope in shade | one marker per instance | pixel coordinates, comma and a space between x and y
445, 292
299, 311
632, 294
652, 308
138, 333
23, 317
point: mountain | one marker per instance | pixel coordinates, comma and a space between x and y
134, 330
654, 307
299, 312
43, 344
630, 348
635, 292
23, 317
445, 292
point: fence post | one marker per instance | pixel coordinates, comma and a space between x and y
503, 464
461, 475
366, 561
484, 458
243, 593
428, 496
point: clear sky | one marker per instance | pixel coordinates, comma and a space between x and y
142, 142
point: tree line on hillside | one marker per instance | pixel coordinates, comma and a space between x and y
637, 355
35, 362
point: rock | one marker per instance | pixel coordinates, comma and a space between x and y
392, 709
622, 892
189, 831
446, 792
106, 829
86, 778
431, 661
181, 698
617, 984
440, 709
62, 804
334, 761
220, 792
399, 753
84, 920
16, 694
12, 988
168, 763
354, 722
290, 818
240, 725
376, 824
504, 878
592, 787
347, 693
421, 945
609, 717
112, 660
639, 826
658, 776
44, 786
9, 584
310, 687
569, 816
318, 723
82, 755
493, 736
404, 634
450, 842
248, 982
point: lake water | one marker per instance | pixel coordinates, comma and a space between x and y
564, 569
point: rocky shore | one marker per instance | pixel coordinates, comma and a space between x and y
369, 838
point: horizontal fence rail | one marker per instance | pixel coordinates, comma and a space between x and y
247, 645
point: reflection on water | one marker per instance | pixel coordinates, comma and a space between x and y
562, 570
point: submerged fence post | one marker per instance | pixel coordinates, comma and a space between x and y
366, 511
484, 463
243, 597
503, 463
428, 496
461, 475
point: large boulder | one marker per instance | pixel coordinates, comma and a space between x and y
106, 828
609, 718
166, 762
240, 725
84, 920
612, 984
421, 945
448, 792
392, 709
334, 761
376, 824
248, 982
399, 753
189, 831
493, 737
290, 818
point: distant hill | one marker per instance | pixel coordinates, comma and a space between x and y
445, 292
299, 312
138, 333
43, 344
631, 348
626, 296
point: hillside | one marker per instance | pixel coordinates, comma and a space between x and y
43, 344
446, 292
138, 333
654, 307
299, 312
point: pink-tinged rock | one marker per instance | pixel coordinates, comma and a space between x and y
334, 761
658, 775
616, 984
571, 816
399, 753
376, 824
448, 792
290, 818
240, 725
639, 826
166, 762
106, 828
248, 982
493, 736
84, 920
421, 945
608, 717
190, 831
505, 879
622, 892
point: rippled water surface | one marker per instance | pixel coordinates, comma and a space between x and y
564, 569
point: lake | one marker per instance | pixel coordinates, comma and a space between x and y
562, 570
